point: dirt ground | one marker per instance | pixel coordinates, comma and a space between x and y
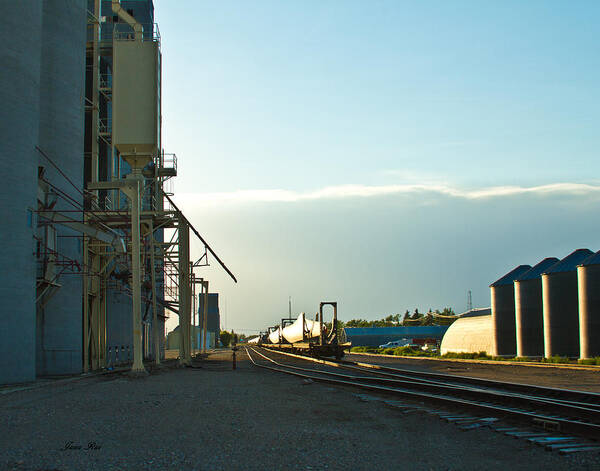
549, 376
213, 418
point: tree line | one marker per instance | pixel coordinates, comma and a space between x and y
444, 317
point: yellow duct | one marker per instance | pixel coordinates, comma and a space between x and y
127, 18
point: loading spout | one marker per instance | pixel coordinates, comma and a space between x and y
127, 18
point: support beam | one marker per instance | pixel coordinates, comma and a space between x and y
205, 314
107, 235
86, 305
134, 195
132, 186
184, 291
155, 336
194, 313
95, 326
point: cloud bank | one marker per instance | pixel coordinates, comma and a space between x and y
377, 251
369, 191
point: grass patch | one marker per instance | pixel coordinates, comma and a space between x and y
410, 352
522, 359
365, 349
589, 361
397, 351
556, 359
417, 352
467, 355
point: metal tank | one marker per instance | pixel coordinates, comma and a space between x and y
561, 307
61, 138
503, 312
588, 281
528, 310
20, 35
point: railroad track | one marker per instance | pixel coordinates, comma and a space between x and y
567, 411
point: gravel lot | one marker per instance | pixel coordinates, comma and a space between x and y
212, 418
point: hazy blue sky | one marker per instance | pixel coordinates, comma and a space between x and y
361, 150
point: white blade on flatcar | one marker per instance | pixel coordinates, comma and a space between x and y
293, 333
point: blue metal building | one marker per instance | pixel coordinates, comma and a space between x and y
375, 336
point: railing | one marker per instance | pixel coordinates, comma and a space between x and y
124, 32
168, 161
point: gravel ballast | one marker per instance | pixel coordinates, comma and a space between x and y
213, 418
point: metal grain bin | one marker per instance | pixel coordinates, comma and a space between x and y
503, 312
588, 281
561, 307
528, 310
20, 35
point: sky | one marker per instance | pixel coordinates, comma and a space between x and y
387, 155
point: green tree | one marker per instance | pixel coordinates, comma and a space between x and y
225, 338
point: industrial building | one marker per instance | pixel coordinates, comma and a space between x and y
198, 333
375, 336
96, 253
550, 309
471, 332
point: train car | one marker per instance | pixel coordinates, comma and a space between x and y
305, 336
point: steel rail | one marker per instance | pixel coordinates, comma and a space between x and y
591, 413
577, 397
583, 398
570, 424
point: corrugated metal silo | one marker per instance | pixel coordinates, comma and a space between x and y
61, 137
588, 280
20, 36
503, 312
528, 310
561, 307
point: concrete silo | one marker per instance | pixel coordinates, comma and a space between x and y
61, 137
588, 281
20, 34
561, 307
503, 312
528, 310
